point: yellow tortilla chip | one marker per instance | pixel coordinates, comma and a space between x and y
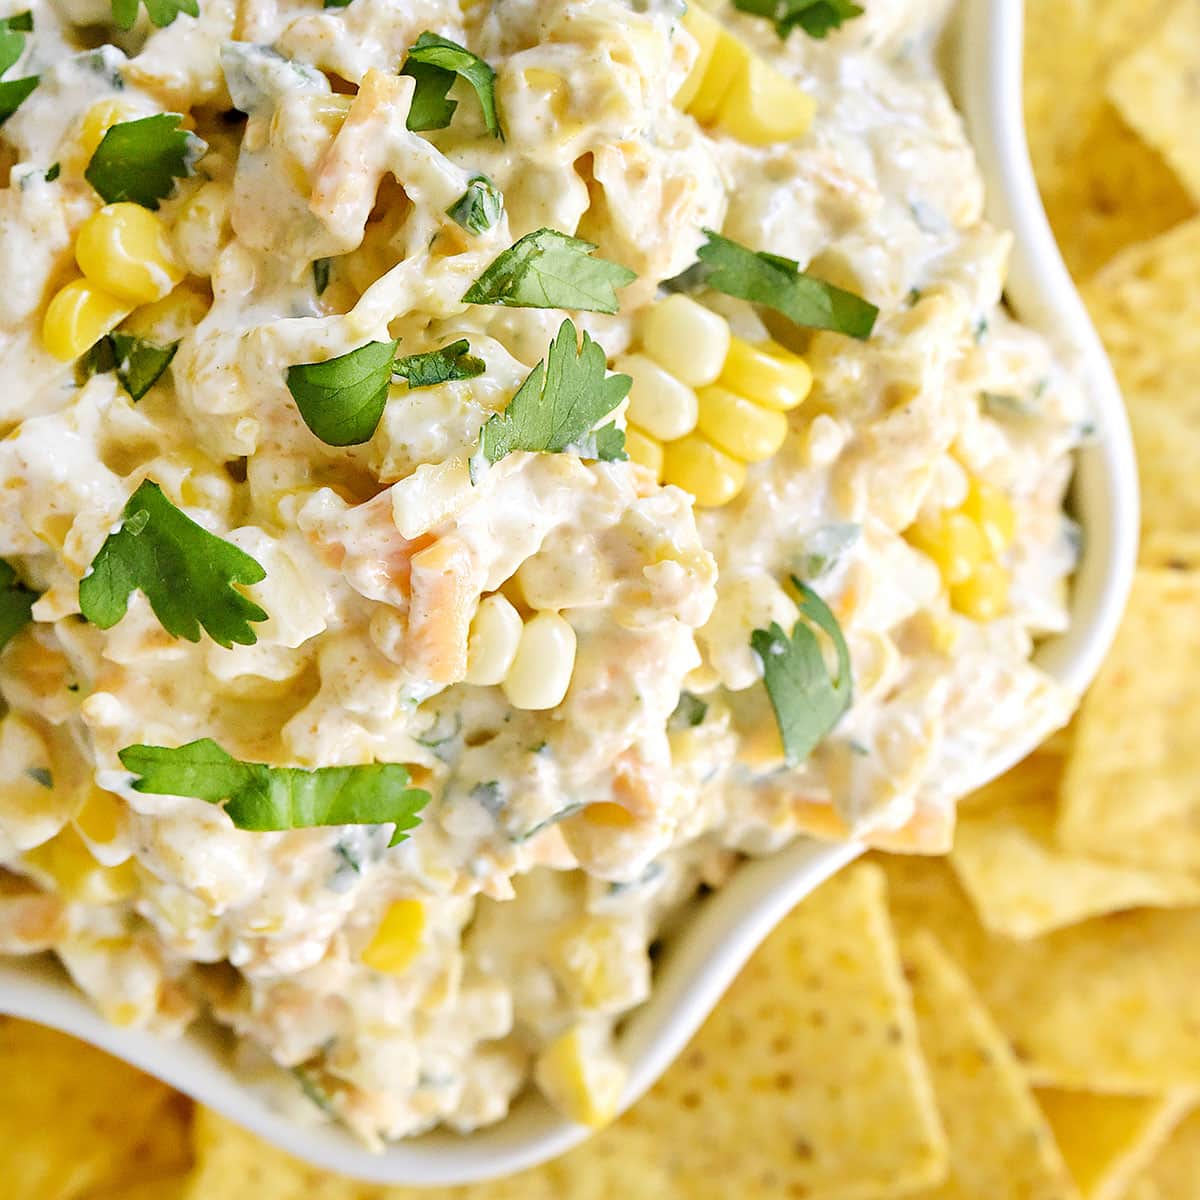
1144, 304
1110, 1005
75, 1122
1107, 1140
1023, 884
1000, 1141
1175, 1171
1131, 791
807, 1080
1103, 187
1175, 550
1155, 90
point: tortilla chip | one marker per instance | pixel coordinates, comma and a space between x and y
1107, 1140
1172, 550
1131, 792
1174, 1172
1103, 187
1000, 1141
1155, 89
1023, 884
76, 1122
1110, 1005
1144, 304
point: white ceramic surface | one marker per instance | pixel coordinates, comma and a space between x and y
728, 926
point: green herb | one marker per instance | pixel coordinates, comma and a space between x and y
1004, 406
434, 62
913, 297
137, 362
14, 93
140, 160
262, 798
557, 406
320, 270
689, 712
312, 1090
440, 741
489, 795
40, 775
343, 398
548, 269
479, 207
12, 38
808, 700
553, 819
16, 603
980, 330
160, 12
824, 546
439, 366
53, 172
815, 17
185, 572
779, 283
348, 856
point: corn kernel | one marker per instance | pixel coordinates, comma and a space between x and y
493, 641
688, 339
78, 316
202, 226
609, 815
645, 451
730, 59
740, 427
398, 940
101, 816
768, 374
955, 544
177, 313
760, 106
77, 875
658, 402
707, 31
581, 1078
544, 663
984, 595
97, 121
992, 511
696, 465
123, 249
593, 961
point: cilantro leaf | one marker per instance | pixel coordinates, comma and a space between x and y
186, 573
439, 366
807, 700
262, 798
815, 17
433, 62
689, 712
548, 269
336, 4
343, 398
557, 406
140, 160
14, 93
779, 283
160, 12
479, 207
12, 38
16, 601
320, 270
138, 362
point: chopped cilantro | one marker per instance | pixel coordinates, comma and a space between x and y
40, 775
433, 62
451, 362
479, 207
320, 270
16, 604
262, 798
343, 398
548, 269
689, 712
185, 572
808, 700
160, 12
140, 160
815, 17
560, 402
137, 362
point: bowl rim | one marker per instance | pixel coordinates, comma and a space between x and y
730, 924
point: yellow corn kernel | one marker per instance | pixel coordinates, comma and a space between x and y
739, 426
645, 451
707, 31
77, 875
177, 313
984, 595
761, 746
992, 511
760, 106
580, 1077
658, 403
609, 815
730, 59
543, 665
688, 339
97, 121
768, 374
202, 226
593, 961
78, 316
493, 641
124, 249
101, 816
398, 940
696, 465
955, 544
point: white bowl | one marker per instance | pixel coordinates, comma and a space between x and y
727, 927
